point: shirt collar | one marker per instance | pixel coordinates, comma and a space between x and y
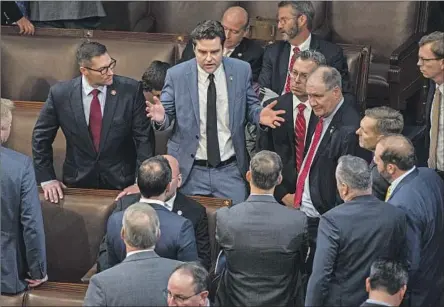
305, 45
441, 88
376, 302
139, 251
169, 204
328, 119
203, 75
297, 101
87, 88
152, 201
399, 179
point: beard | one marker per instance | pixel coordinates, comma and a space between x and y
292, 33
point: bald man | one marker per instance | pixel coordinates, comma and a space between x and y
177, 203
419, 192
236, 23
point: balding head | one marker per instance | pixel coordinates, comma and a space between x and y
235, 23
176, 177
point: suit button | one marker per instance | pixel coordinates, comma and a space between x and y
197, 137
192, 156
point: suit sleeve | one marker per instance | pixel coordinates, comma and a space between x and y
267, 69
254, 107
203, 240
324, 262
11, 10
413, 241
167, 97
32, 224
114, 244
95, 295
45, 131
187, 243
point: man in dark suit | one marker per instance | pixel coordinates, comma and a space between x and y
386, 284
431, 64
142, 277
419, 192
295, 21
236, 25
102, 152
265, 244
290, 141
177, 240
351, 236
377, 123
23, 248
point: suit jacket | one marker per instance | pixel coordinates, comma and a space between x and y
276, 60
248, 50
265, 245
10, 12
177, 240
127, 138
429, 102
350, 238
189, 209
23, 235
421, 196
138, 281
181, 102
380, 185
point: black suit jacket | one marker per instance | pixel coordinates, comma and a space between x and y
127, 138
190, 209
350, 238
430, 96
10, 12
276, 60
380, 185
248, 50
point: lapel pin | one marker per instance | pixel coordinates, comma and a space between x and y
332, 129
239, 54
231, 78
179, 212
113, 92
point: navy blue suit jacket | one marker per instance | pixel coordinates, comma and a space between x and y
177, 240
421, 196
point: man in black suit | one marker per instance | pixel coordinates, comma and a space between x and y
431, 64
386, 284
102, 116
378, 122
289, 142
295, 21
352, 236
236, 23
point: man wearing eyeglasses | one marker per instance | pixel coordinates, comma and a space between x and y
102, 118
431, 64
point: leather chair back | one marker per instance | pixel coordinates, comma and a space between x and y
127, 16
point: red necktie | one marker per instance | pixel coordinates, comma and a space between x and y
300, 128
95, 119
296, 50
303, 174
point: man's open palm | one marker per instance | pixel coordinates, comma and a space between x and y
155, 110
269, 117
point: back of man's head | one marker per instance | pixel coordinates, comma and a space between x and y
388, 120
265, 170
154, 176
6, 107
397, 150
153, 78
140, 228
354, 174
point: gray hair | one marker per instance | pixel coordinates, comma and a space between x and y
330, 76
388, 275
388, 120
89, 50
437, 40
398, 150
6, 107
201, 279
312, 55
301, 7
265, 167
354, 172
141, 226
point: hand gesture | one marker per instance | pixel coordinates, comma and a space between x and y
270, 117
53, 191
132, 189
155, 111
32, 283
25, 26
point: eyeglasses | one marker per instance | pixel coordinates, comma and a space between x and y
295, 74
431, 59
284, 20
104, 70
177, 298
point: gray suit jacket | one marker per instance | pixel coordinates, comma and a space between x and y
180, 99
65, 10
265, 245
23, 235
138, 281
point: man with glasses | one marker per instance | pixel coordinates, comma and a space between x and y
188, 286
431, 64
102, 118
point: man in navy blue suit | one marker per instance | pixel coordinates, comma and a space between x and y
177, 240
419, 192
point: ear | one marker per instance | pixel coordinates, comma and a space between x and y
303, 20
203, 296
367, 284
279, 179
83, 71
248, 176
122, 234
168, 188
402, 292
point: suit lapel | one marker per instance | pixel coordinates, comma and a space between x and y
231, 89
112, 94
283, 64
287, 105
404, 181
193, 88
430, 97
76, 101
239, 51
314, 43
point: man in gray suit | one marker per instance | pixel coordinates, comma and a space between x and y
143, 276
23, 237
264, 242
211, 98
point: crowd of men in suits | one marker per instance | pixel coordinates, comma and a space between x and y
311, 223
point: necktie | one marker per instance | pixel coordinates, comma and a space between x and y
213, 152
296, 50
95, 119
310, 155
300, 130
389, 193
436, 107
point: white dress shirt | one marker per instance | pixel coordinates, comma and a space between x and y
223, 121
306, 203
154, 201
169, 204
440, 147
395, 182
139, 251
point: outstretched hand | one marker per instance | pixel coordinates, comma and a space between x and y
269, 117
155, 110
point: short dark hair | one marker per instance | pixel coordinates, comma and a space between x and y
265, 167
153, 176
388, 275
208, 29
154, 76
87, 51
398, 150
301, 7
200, 275
388, 120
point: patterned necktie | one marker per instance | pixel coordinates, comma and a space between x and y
95, 119
300, 130
306, 169
296, 50
388, 194
213, 151
433, 150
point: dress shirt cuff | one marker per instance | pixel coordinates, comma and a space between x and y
158, 126
47, 182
